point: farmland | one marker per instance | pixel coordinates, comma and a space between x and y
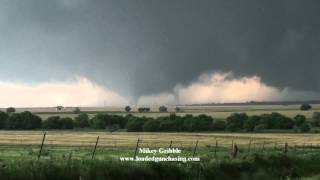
83, 151
218, 112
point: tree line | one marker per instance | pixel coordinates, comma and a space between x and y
236, 122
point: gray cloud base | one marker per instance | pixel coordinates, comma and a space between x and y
148, 46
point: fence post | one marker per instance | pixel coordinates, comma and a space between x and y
275, 146
249, 146
263, 146
135, 153
285, 148
44, 137
170, 146
195, 149
95, 147
215, 149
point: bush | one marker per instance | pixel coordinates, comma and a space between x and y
127, 108
260, 127
151, 126
276, 121
10, 110
77, 110
66, 123
135, 124
102, 121
218, 125
24, 120
163, 109
237, 120
143, 109
305, 127
82, 120
52, 122
299, 120
316, 119
250, 123
305, 107
3, 119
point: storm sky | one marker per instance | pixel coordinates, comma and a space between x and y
166, 51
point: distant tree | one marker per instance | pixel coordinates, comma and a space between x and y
151, 126
24, 120
163, 109
178, 109
316, 119
299, 120
66, 123
260, 127
52, 122
135, 124
10, 110
3, 119
127, 108
305, 107
143, 109
98, 121
250, 123
77, 110
305, 127
82, 120
235, 121
218, 125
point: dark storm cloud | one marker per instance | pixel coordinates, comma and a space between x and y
148, 46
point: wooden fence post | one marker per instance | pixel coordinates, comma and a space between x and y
262, 149
285, 148
195, 149
135, 153
249, 148
95, 147
44, 137
215, 149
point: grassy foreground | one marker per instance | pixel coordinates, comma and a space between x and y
272, 166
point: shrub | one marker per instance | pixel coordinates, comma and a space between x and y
305, 107
77, 110
82, 120
10, 110
151, 126
299, 120
250, 123
127, 108
143, 109
3, 119
305, 127
316, 119
235, 121
66, 123
135, 124
260, 127
218, 125
163, 109
52, 122
24, 120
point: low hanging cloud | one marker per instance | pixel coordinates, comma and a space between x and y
79, 92
224, 88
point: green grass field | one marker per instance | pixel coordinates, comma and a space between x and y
81, 144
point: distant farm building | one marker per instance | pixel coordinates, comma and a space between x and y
59, 108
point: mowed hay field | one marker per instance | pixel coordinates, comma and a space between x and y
218, 112
129, 139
